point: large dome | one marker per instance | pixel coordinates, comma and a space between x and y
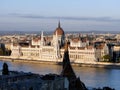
59, 30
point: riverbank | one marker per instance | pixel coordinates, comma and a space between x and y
94, 64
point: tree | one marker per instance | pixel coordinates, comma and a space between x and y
106, 57
5, 70
1, 52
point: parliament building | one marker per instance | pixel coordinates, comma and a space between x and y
51, 48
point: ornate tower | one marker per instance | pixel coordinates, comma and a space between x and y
57, 47
60, 33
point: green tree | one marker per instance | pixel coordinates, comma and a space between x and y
106, 57
5, 70
1, 52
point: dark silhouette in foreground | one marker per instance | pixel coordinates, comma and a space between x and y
5, 70
74, 82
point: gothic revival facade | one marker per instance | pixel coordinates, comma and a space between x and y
51, 48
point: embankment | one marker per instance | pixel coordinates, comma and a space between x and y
94, 64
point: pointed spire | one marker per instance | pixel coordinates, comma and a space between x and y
42, 39
59, 24
67, 68
69, 73
42, 35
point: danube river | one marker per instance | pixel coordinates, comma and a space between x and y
92, 77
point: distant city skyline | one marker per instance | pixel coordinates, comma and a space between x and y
43, 15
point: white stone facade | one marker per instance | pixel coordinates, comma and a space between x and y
78, 52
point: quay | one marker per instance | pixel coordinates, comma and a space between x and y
59, 62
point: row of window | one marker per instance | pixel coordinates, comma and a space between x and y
47, 50
83, 52
81, 57
30, 54
29, 50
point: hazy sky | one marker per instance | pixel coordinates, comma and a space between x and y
74, 15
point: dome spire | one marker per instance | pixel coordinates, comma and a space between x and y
59, 30
59, 24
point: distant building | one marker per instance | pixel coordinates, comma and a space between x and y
2, 49
79, 42
116, 52
51, 48
101, 50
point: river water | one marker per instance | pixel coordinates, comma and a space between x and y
92, 77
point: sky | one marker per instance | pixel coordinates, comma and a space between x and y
44, 15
